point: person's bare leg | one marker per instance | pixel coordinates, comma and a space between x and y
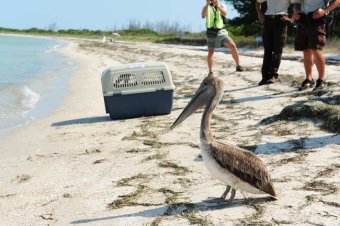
320, 63
234, 52
210, 58
308, 61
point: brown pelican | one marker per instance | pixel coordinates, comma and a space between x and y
234, 166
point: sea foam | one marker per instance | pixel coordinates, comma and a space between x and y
29, 99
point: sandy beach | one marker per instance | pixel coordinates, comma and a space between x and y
77, 167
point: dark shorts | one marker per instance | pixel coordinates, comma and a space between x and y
310, 35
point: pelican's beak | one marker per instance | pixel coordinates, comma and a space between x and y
198, 100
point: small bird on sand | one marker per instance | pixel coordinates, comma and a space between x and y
234, 166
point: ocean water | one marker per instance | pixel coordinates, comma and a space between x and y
33, 77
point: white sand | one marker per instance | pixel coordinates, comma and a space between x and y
66, 168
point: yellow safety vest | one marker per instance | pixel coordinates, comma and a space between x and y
214, 18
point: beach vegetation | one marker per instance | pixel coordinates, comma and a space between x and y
189, 212
153, 143
99, 161
279, 129
282, 179
196, 219
128, 199
155, 222
128, 181
172, 196
186, 211
300, 157
178, 170
328, 171
164, 32
137, 150
22, 178
184, 182
91, 151
255, 218
157, 156
317, 111
320, 186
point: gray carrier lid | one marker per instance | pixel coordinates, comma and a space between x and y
136, 78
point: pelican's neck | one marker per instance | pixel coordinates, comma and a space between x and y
206, 134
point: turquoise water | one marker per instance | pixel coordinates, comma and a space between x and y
33, 77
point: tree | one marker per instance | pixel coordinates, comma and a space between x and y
52, 27
334, 23
246, 9
248, 16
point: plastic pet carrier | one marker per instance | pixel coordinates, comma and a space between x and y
135, 90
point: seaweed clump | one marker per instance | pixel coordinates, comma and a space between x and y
323, 114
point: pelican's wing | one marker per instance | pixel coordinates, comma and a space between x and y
243, 164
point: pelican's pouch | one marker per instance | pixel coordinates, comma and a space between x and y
212, 33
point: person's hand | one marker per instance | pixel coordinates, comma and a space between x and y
319, 13
296, 16
218, 3
286, 18
261, 17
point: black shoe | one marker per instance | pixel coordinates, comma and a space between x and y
239, 68
320, 85
307, 84
263, 82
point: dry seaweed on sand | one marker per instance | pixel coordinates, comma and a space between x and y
317, 111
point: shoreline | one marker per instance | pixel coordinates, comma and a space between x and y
49, 85
76, 166
69, 51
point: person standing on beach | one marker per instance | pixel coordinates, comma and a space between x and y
217, 35
311, 38
275, 21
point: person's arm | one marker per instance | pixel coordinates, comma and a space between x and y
322, 12
259, 12
220, 8
205, 9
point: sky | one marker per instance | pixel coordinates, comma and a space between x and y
102, 14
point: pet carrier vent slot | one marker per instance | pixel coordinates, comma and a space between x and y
124, 81
153, 78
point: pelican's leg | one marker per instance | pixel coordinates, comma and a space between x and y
226, 192
232, 196
222, 198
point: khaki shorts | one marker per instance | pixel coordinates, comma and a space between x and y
220, 39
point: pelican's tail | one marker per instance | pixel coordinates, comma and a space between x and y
269, 189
